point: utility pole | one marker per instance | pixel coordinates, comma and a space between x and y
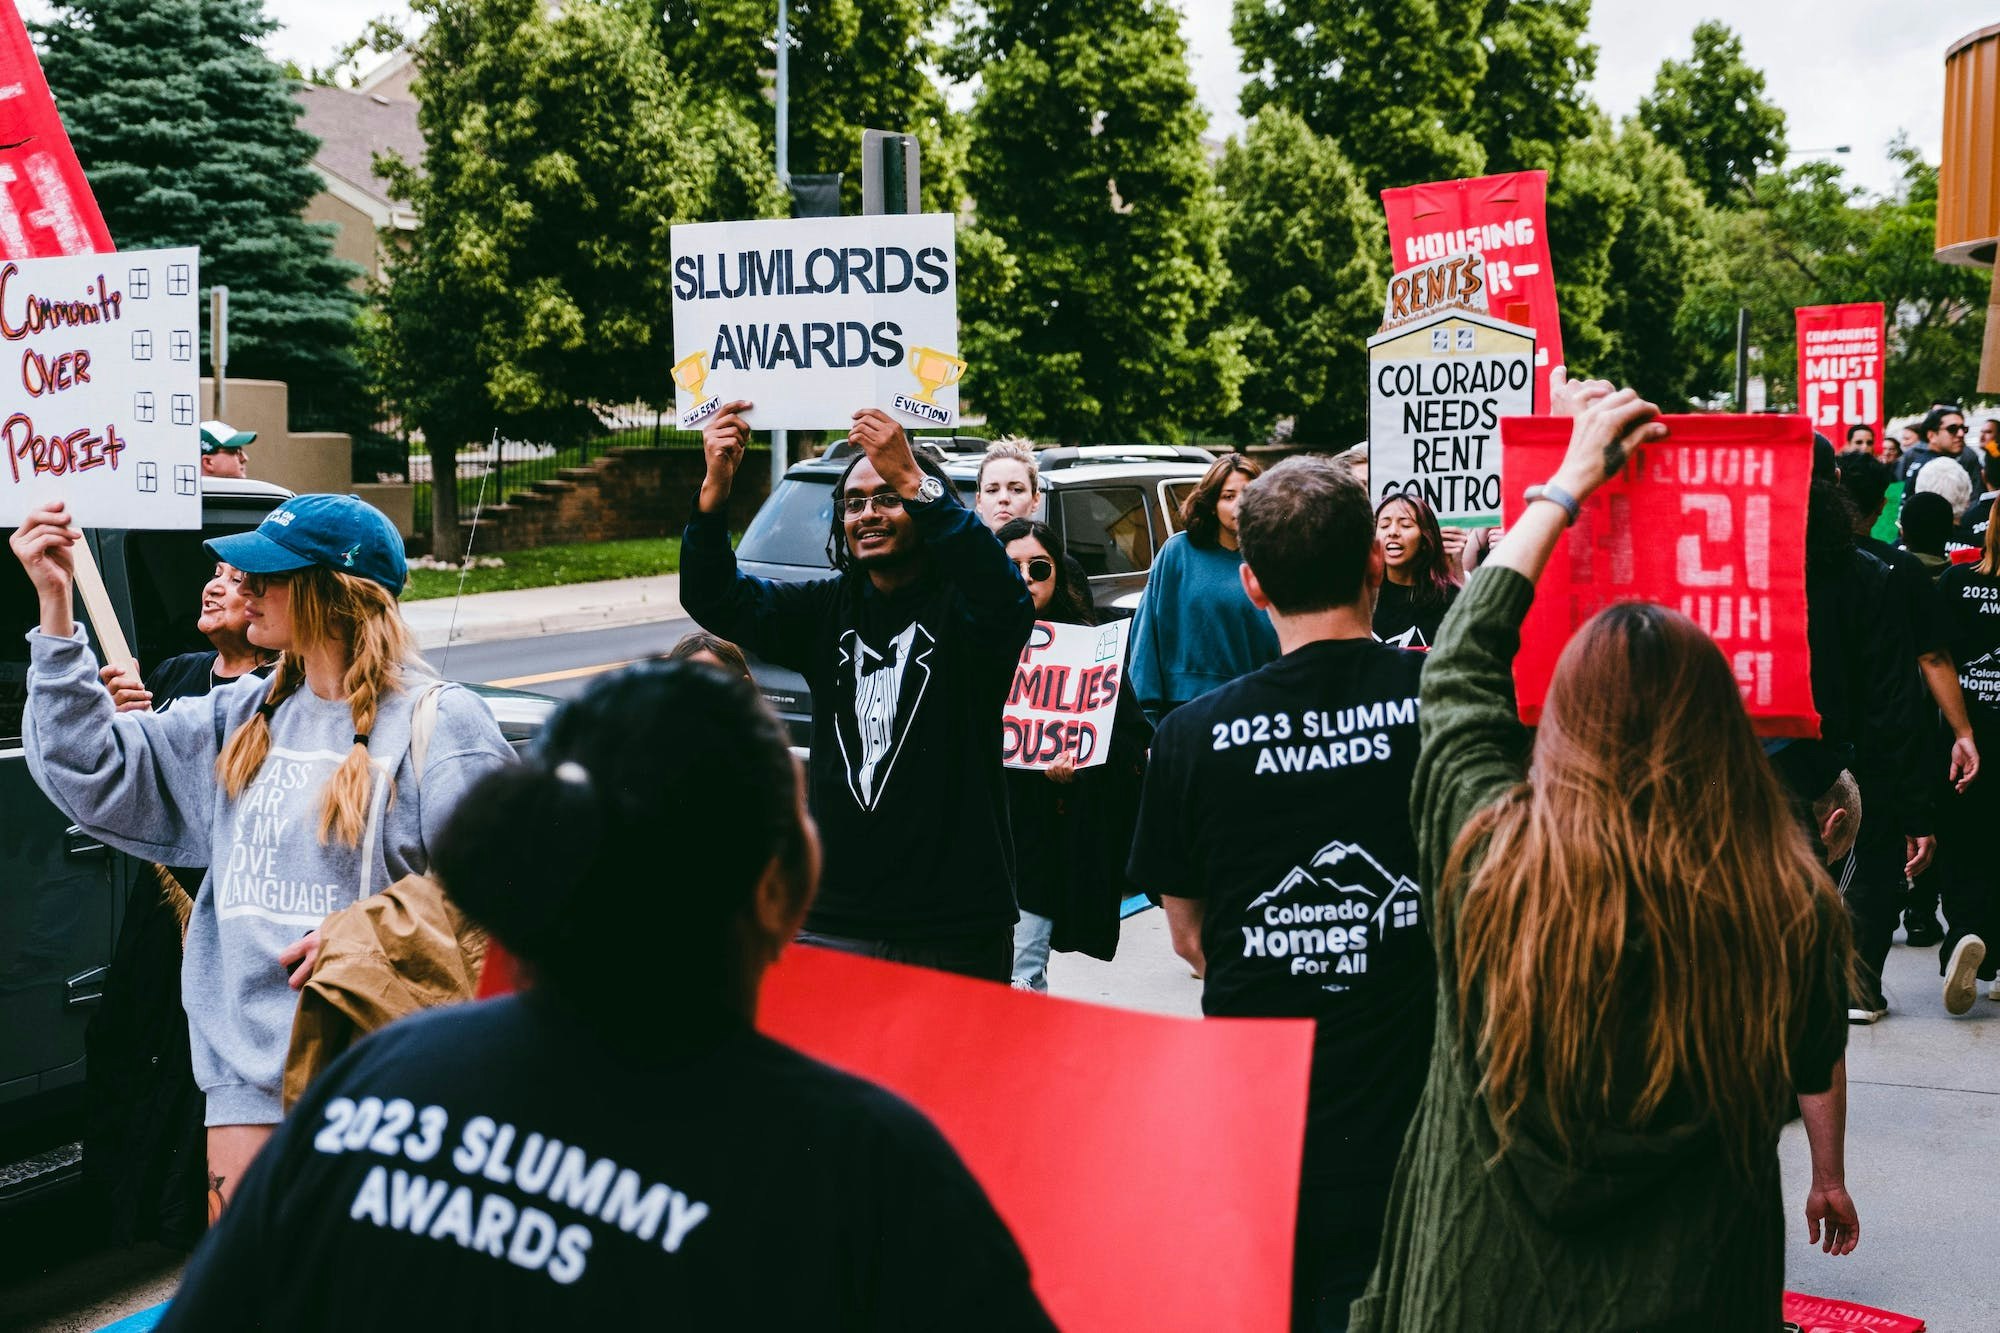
218, 346
781, 444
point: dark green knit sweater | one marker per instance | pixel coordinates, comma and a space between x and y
1646, 1230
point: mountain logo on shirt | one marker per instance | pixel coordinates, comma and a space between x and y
1411, 638
888, 689
1322, 917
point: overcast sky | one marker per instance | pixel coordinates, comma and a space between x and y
1845, 71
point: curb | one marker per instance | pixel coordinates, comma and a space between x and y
523, 613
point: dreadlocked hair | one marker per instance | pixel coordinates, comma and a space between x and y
360, 616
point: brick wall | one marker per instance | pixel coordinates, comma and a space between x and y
625, 494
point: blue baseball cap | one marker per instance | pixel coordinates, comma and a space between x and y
338, 532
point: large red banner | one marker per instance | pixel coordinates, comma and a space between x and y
1841, 351
1503, 219
1816, 1314
1711, 522
46, 207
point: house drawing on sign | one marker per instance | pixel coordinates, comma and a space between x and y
1349, 868
377, 115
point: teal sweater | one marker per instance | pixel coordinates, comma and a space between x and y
1196, 628
1646, 1230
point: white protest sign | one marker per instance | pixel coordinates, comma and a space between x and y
106, 348
1436, 392
811, 319
1065, 695
1456, 282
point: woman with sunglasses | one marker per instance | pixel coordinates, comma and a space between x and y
299, 793
1196, 628
1072, 826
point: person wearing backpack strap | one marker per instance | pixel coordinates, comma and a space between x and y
299, 793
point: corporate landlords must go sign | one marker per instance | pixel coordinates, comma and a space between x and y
811, 319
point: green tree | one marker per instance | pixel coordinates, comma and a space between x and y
559, 150
1307, 255
1392, 81
189, 134
1531, 102
1088, 172
1711, 110
855, 65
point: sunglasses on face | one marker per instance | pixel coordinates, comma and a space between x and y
1959, 429
886, 501
1039, 569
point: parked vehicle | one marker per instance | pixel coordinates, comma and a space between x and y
63, 893
1114, 506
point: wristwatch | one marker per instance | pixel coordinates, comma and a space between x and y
929, 491
1556, 495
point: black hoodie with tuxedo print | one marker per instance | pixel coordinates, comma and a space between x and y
908, 688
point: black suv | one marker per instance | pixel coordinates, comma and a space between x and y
62, 894
1114, 506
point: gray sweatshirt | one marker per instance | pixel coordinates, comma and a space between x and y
145, 783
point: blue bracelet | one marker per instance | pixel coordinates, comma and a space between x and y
1556, 495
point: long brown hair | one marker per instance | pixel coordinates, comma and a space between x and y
360, 616
1633, 920
1989, 564
1198, 510
1431, 582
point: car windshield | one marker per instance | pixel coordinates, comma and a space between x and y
791, 527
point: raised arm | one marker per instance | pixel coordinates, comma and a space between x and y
776, 621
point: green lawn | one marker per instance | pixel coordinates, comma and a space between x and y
551, 565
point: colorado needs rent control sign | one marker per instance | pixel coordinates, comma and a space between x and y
103, 350
1437, 390
811, 319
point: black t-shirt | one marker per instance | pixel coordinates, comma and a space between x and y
498, 1166
1972, 607
1402, 623
187, 676
1910, 582
1281, 801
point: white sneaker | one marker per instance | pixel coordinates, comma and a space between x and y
1961, 974
1994, 993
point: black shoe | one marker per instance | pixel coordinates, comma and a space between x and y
1923, 932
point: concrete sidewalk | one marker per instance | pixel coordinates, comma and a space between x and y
487, 616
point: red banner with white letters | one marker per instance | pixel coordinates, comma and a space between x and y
46, 207
1816, 1314
1711, 522
1841, 351
1504, 220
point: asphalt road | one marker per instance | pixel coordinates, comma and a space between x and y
561, 665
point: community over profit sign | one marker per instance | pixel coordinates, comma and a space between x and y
810, 319
104, 349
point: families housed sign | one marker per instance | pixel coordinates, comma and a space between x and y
1840, 367
1503, 219
1437, 390
1710, 521
810, 319
104, 348
1065, 695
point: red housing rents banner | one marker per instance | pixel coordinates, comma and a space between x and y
1841, 350
1711, 522
46, 207
1503, 219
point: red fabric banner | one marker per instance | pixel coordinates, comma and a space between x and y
1841, 352
1816, 1314
1503, 219
46, 207
1710, 521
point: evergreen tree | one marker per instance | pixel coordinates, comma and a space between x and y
1711, 110
1087, 167
1393, 82
559, 150
1531, 102
855, 65
189, 134
1307, 252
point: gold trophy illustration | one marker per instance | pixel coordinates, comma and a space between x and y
934, 370
691, 374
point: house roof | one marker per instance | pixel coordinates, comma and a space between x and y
352, 127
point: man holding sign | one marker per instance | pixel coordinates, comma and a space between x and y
910, 654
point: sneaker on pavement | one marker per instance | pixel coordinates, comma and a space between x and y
1961, 974
1866, 1011
1922, 932
1994, 993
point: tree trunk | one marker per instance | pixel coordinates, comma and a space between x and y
446, 543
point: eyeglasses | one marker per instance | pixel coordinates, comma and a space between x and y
1040, 569
1959, 429
886, 501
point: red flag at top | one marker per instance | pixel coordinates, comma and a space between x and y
1710, 522
1504, 219
46, 207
